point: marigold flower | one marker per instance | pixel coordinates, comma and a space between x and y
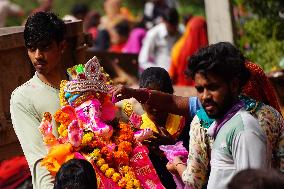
100, 162
109, 172
122, 182
104, 167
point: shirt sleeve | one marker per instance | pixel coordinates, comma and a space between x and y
26, 122
249, 150
196, 172
146, 57
194, 106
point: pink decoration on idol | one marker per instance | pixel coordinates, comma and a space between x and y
88, 110
45, 128
101, 129
108, 111
143, 168
75, 133
136, 120
70, 111
143, 134
111, 147
77, 155
88, 114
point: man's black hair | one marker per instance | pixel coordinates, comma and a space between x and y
257, 179
42, 28
76, 174
222, 59
156, 76
171, 16
79, 9
122, 28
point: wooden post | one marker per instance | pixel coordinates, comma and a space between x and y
219, 21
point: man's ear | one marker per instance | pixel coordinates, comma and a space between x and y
235, 86
62, 46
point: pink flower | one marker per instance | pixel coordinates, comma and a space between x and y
136, 120
143, 134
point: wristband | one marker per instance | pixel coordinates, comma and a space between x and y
179, 164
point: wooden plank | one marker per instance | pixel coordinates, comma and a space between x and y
127, 62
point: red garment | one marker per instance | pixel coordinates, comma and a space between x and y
117, 47
259, 87
93, 31
196, 38
13, 172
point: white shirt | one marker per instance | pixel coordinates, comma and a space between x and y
7, 8
27, 105
240, 144
156, 48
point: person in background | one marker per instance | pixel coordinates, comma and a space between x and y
75, 174
119, 35
78, 12
112, 14
92, 22
44, 6
194, 38
9, 9
257, 179
44, 36
158, 42
153, 11
136, 36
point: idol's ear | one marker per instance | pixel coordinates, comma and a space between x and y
70, 111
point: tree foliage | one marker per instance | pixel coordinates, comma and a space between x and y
264, 32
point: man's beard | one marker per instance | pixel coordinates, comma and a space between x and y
223, 108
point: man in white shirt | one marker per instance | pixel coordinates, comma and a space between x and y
159, 41
44, 36
8, 9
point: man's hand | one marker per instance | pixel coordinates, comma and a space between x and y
163, 138
172, 166
121, 92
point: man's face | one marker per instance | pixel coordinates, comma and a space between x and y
172, 29
47, 58
157, 116
216, 95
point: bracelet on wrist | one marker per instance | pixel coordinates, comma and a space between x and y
179, 164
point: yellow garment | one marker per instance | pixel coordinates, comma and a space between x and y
57, 155
177, 48
174, 124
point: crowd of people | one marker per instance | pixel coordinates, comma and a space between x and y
233, 129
